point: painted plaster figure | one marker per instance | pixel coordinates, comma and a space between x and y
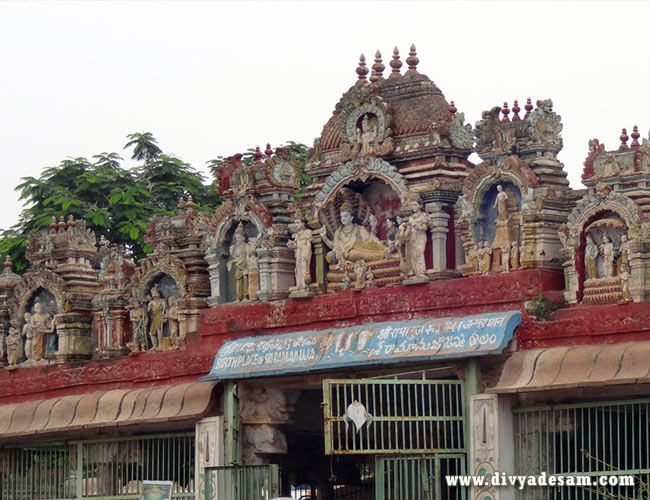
301, 242
39, 330
501, 203
52, 337
485, 258
625, 252
238, 251
514, 255
591, 254
172, 319
607, 250
28, 334
157, 308
416, 240
368, 135
253, 269
139, 321
351, 241
505, 258
14, 346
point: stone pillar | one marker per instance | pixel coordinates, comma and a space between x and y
214, 270
637, 259
209, 453
491, 443
439, 230
264, 261
571, 281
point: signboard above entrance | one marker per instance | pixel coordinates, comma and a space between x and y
371, 343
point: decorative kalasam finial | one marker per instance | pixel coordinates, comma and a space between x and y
53, 225
190, 202
71, 222
516, 109
623, 139
377, 68
635, 137
505, 111
528, 107
362, 70
8, 265
62, 224
268, 151
181, 203
452, 108
412, 60
257, 155
395, 63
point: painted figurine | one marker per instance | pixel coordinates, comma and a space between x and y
238, 251
607, 251
156, 307
301, 242
591, 254
416, 239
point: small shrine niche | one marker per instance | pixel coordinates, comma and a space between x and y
239, 263
162, 313
38, 327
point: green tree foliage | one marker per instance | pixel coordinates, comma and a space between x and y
114, 201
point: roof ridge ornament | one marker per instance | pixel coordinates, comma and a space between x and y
362, 70
377, 68
412, 60
395, 64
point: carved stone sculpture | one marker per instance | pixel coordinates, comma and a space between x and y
416, 239
139, 322
14, 346
156, 308
351, 242
591, 254
172, 319
28, 335
238, 259
607, 251
253, 269
301, 242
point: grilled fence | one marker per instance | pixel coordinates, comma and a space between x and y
241, 482
418, 477
403, 416
99, 469
587, 440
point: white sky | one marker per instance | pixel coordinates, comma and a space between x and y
215, 78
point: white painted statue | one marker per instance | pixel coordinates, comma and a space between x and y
416, 239
301, 242
607, 251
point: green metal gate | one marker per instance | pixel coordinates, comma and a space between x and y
418, 477
241, 482
590, 441
403, 416
415, 427
100, 469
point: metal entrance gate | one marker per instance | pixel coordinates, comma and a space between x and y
98, 469
241, 482
418, 477
414, 427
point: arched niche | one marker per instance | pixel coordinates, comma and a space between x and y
484, 224
167, 287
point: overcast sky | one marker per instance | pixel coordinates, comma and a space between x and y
215, 78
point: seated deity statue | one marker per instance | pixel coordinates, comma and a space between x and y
351, 242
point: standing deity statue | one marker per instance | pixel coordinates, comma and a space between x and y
514, 255
301, 242
253, 268
238, 258
501, 203
416, 239
156, 307
28, 334
607, 251
625, 252
14, 346
505, 258
485, 258
472, 258
139, 322
591, 254
351, 242
172, 319
52, 338
39, 331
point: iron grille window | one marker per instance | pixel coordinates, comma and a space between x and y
588, 440
403, 416
112, 468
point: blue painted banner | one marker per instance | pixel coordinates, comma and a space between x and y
373, 343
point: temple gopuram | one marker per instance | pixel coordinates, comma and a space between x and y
409, 316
